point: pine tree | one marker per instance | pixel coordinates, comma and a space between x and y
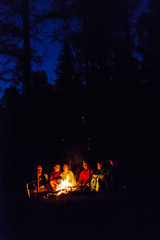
67, 81
17, 25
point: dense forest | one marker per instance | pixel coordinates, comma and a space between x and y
104, 103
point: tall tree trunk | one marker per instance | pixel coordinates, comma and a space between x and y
27, 53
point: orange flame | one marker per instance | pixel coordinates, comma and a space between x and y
64, 187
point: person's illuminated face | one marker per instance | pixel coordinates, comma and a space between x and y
39, 170
85, 166
57, 168
65, 167
99, 166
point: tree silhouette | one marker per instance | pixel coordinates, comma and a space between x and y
17, 24
148, 32
67, 81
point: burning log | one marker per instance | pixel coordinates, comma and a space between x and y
67, 190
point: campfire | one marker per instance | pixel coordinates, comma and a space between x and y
65, 187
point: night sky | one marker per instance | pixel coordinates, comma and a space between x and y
53, 49
49, 63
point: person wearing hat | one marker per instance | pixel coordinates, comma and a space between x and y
85, 175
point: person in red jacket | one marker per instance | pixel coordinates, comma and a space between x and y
85, 176
55, 177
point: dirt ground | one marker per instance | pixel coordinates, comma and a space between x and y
108, 216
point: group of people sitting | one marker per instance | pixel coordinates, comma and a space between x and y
87, 180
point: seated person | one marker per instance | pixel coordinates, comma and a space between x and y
98, 180
55, 178
42, 180
68, 174
85, 175
113, 174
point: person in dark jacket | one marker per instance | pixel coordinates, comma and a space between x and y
42, 180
